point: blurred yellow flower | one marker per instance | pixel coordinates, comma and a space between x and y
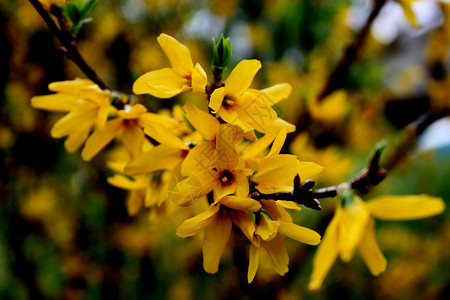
86, 103
353, 226
169, 82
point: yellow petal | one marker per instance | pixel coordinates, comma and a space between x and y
177, 53
100, 138
326, 254
198, 79
135, 201
241, 203
216, 99
70, 86
163, 83
244, 222
258, 148
277, 125
354, 220
276, 210
132, 112
132, 138
256, 111
407, 207
193, 225
221, 190
185, 191
276, 173
242, 188
289, 204
253, 263
199, 160
164, 136
299, 233
309, 169
56, 102
278, 143
216, 238
203, 122
267, 229
102, 116
370, 252
76, 139
277, 253
159, 158
241, 77
124, 182
81, 117
278, 92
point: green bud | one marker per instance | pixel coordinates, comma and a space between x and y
346, 197
221, 52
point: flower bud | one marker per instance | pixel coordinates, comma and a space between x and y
221, 51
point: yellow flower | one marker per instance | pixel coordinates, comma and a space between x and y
248, 108
217, 221
269, 236
353, 226
128, 126
169, 82
86, 103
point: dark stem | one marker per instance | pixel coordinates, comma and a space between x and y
338, 76
371, 175
71, 49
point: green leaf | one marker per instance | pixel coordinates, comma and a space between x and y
88, 8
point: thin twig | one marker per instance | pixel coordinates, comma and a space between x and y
339, 74
71, 49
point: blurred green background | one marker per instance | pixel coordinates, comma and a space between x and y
65, 233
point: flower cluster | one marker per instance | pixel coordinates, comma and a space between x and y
228, 155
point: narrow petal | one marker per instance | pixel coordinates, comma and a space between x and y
276, 173
242, 188
133, 138
164, 136
70, 86
309, 169
203, 122
278, 92
267, 229
241, 203
81, 117
354, 220
198, 79
124, 182
193, 225
244, 222
259, 148
299, 233
277, 125
216, 99
185, 191
221, 190
408, 207
253, 263
159, 158
370, 252
277, 253
278, 143
132, 112
326, 254
216, 238
163, 83
76, 139
199, 160
56, 102
135, 201
177, 53
100, 138
241, 77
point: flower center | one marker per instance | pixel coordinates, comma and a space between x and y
226, 177
228, 101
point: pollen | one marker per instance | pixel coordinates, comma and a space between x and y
226, 177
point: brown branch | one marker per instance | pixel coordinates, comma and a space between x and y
339, 74
71, 49
372, 175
